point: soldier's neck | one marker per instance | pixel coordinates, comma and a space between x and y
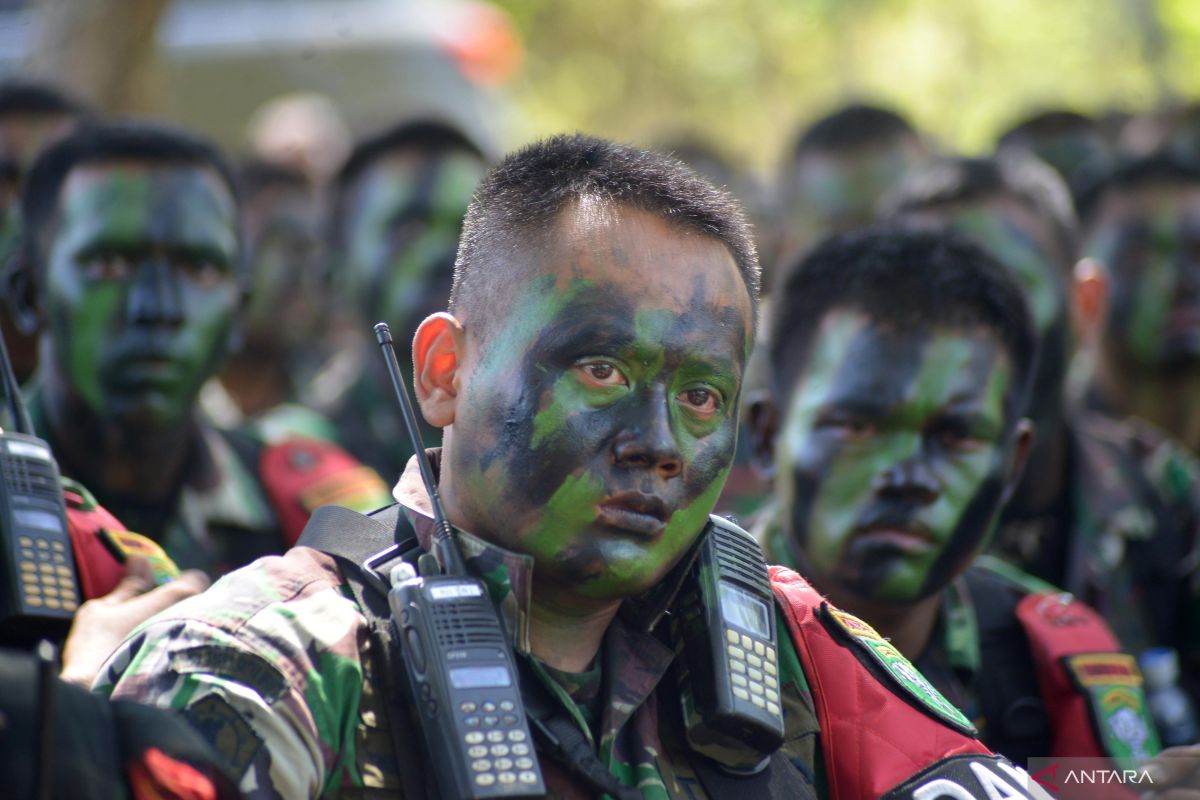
257, 383
1170, 400
908, 627
567, 635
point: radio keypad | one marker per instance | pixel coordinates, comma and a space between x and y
46, 577
753, 670
497, 746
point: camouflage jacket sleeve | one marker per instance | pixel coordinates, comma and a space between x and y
266, 666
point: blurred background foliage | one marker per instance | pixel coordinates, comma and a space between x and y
746, 73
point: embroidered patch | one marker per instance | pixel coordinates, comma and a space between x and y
226, 662
966, 777
226, 730
885, 661
1112, 685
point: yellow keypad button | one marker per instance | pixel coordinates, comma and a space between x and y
516, 736
731, 635
771, 654
52, 602
772, 707
63, 572
527, 777
739, 680
756, 688
773, 695
737, 666
28, 566
741, 694
747, 642
770, 668
760, 648
770, 681
504, 763
25, 541
69, 605
756, 674
736, 652
486, 779
50, 589
524, 763
758, 701
474, 737
477, 751
46, 569
507, 777
481, 765
500, 750
43, 544
754, 661
57, 547
33, 600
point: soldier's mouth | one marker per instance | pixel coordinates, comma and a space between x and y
634, 512
909, 537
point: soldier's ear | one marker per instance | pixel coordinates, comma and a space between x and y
1089, 294
21, 291
762, 417
1023, 433
438, 350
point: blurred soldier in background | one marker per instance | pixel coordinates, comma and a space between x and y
1108, 508
397, 209
1142, 224
130, 255
838, 170
1073, 144
285, 313
31, 116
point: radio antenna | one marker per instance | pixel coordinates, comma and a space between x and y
443, 539
12, 391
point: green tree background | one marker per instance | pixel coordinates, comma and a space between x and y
745, 73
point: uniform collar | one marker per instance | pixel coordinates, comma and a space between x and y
509, 575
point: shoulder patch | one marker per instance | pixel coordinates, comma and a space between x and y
1112, 685
891, 667
226, 730
235, 665
973, 776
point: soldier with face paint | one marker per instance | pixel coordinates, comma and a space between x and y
131, 255
1107, 508
398, 206
261, 384
586, 379
1073, 144
900, 363
1142, 225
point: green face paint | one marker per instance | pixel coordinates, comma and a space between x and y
596, 429
282, 232
1150, 241
402, 220
892, 457
139, 289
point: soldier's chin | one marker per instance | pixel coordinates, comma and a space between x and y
148, 411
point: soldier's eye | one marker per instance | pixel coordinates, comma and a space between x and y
107, 267
701, 401
602, 373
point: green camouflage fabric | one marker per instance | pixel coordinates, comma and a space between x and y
221, 517
1131, 546
271, 665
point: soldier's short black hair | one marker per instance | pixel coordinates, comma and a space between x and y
24, 96
107, 141
1164, 168
257, 175
1051, 122
852, 129
516, 204
426, 134
1013, 175
906, 279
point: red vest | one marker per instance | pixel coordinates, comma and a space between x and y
879, 739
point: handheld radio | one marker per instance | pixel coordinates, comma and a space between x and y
39, 593
729, 675
461, 675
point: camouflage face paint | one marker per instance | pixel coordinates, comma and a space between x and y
139, 289
1150, 241
597, 425
839, 192
282, 232
892, 457
402, 222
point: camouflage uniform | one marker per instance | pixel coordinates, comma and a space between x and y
273, 664
221, 517
1008, 708
1130, 546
